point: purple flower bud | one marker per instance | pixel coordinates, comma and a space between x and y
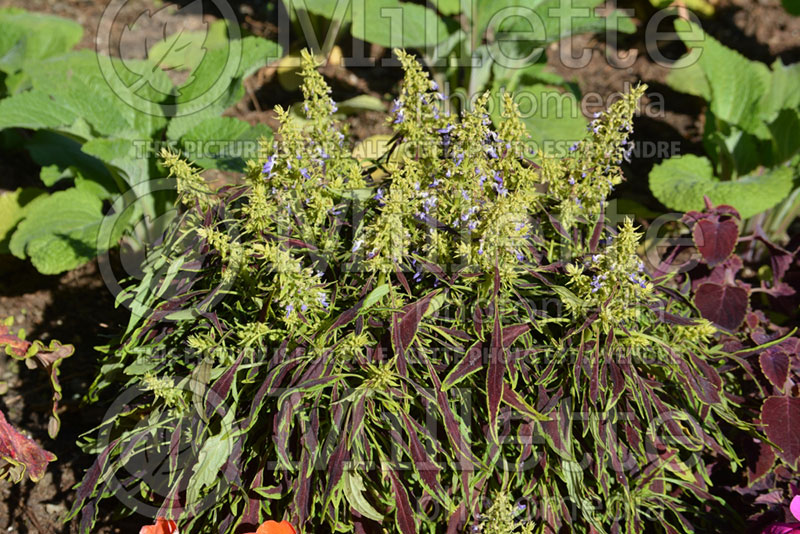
268, 166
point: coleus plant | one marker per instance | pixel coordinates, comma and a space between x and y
471, 46
353, 343
752, 115
20, 455
95, 132
739, 283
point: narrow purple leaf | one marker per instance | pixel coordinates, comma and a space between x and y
403, 513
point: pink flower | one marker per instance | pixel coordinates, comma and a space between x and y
787, 528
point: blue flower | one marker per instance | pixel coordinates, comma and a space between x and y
323, 300
268, 166
357, 245
304, 173
596, 284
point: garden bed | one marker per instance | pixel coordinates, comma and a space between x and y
77, 308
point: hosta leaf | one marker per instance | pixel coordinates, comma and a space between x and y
59, 232
681, 182
781, 419
715, 239
28, 36
13, 207
20, 455
722, 304
736, 84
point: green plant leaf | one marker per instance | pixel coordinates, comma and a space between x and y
361, 103
50, 149
448, 7
59, 231
131, 157
28, 36
687, 76
353, 486
389, 23
185, 50
736, 84
680, 183
783, 90
203, 97
13, 207
224, 143
80, 77
215, 451
552, 117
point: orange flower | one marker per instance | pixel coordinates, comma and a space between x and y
271, 527
162, 526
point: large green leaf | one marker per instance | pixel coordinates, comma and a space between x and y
216, 84
687, 76
82, 92
784, 90
680, 183
52, 150
389, 23
736, 84
531, 25
13, 207
29, 36
59, 232
224, 143
130, 157
552, 117
185, 50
